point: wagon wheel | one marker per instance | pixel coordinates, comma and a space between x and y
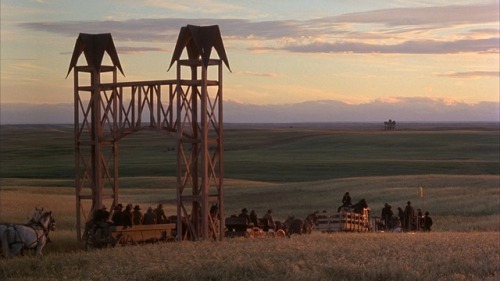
280, 233
257, 232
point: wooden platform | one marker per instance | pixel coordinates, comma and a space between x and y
144, 233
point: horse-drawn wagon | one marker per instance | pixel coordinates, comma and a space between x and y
345, 220
152, 233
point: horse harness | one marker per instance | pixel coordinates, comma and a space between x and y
36, 227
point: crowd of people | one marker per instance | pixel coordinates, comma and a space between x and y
407, 219
266, 222
130, 216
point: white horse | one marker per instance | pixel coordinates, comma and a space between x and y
34, 219
16, 237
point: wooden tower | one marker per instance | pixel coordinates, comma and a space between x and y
189, 108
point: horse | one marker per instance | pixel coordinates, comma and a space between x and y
16, 238
294, 226
309, 222
34, 218
297, 226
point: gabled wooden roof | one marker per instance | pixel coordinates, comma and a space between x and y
93, 47
199, 41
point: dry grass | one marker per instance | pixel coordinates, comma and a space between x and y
463, 246
341, 256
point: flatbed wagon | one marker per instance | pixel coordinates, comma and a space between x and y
344, 221
145, 233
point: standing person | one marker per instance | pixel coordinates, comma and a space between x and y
409, 215
160, 214
127, 216
244, 214
101, 217
420, 220
149, 217
137, 216
268, 219
254, 219
427, 222
118, 216
346, 201
401, 215
387, 215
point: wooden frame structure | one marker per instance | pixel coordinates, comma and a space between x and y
188, 108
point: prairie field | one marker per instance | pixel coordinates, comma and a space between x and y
294, 170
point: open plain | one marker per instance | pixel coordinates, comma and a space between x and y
294, 169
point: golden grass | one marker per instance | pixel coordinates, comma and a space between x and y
464, 243
340, 256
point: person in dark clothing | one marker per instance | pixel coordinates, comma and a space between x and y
160, 214
427, 222
420, 220
401, 215
137, 216
118, 216
409, 216
387, 215
101, 217
244, 214
346, 201
268, 221
254, 219
127, 216
149, 217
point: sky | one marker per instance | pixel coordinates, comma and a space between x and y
395, 52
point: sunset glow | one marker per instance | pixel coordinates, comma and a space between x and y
282, 52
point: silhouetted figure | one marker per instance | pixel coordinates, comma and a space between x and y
427, 222
254, 219
346, 202
387, 214
137, 216
409, 215
244, 214
420, 220
268, 220
149, 217
160, 214
127, 216
118, 216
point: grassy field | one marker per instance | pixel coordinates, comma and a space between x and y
295, 170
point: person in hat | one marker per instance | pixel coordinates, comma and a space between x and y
101, 214
244, 214
387, 214
409, 216
127, 216
118, 217
268, 220
160, 214
149, 217
137, 216
254, 219
101, 218
346, 202
427, 222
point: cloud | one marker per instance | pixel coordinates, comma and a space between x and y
471, 74
259, 74
323, 34
441, 15
407, 47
